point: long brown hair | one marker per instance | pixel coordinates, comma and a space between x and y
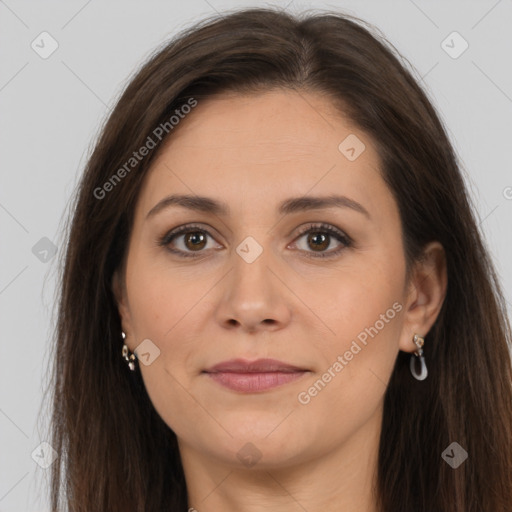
116, 453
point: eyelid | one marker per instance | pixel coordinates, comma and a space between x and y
331, 230
166, 239
324, 227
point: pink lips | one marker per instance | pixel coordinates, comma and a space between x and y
259, 375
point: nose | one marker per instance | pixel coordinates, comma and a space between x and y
254, 296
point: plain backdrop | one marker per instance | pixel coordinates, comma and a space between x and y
51, 109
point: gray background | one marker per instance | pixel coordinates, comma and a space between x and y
52, 109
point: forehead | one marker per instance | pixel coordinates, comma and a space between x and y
267, 125
264, 147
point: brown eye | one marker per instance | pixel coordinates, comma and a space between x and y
190, 241
194, 240
186, 240
319, 238
319, 241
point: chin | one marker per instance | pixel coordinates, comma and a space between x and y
258, 455
259, 447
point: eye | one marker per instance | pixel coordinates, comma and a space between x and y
319, 236
194, 239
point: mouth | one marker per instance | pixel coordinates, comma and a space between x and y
256, 376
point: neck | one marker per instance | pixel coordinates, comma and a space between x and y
341, 477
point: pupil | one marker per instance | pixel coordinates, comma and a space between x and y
323, 237
319, 240
196, 238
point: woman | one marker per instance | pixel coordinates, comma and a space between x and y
275, 294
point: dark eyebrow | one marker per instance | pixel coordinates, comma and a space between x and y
297, 204
292, 205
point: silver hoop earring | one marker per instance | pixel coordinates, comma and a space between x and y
419, 342
127, 355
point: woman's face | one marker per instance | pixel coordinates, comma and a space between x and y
247, 281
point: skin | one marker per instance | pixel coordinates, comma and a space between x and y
252, 152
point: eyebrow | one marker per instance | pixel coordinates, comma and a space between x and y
287, 207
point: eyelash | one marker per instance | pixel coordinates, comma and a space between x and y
310, 228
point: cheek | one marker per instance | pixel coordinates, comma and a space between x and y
348, 389
356, 297
159, 298
160, 308
364, 312
167, 306
366, 329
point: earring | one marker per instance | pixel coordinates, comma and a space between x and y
418, 341
128, 356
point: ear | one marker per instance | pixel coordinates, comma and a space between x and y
425, 297
120, 296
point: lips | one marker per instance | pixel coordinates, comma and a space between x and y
254, 376
258, 366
